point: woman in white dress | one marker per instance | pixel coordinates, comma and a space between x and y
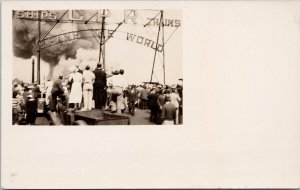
48, 89
76, 89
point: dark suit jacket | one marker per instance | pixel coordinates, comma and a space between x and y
132, 96
35, 92
57, 86
100, 78
152, 101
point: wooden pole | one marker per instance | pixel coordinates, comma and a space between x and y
156, 48
104, 50
32, 76
163, 50
38, 49
101, 40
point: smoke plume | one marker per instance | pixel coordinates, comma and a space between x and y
25, 37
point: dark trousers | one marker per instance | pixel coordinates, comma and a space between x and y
54, 96
15, 116
131, 107
99, 97
30, 118
159, 120
154, 114
31, 113
144, 104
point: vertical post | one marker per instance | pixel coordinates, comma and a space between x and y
100, 48
157, 41
101, 40
32, 76
163, 47
103, 53
38, 49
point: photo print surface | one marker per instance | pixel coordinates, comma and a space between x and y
97, 67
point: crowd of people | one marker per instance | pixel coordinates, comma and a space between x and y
84, 90
24, 104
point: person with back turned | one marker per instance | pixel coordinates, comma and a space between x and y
57, 91
99, 93
88, 80
119, 85
168, 113
175, 100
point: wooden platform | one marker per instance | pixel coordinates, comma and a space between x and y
96, 117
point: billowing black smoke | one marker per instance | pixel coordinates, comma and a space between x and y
25, 34
24, 38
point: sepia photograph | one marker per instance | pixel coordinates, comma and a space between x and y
97, 67
92, 94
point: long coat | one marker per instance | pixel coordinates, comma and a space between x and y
76, 90
100, 78
99, 94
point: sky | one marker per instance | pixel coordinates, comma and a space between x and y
135, 59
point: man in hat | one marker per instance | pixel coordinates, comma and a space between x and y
175, 100
99, 94
145, 92
132, 99
161, 101
35, 90
16, 105
88, 81
57, 91
153, 105
48, 89
31, 110
168, 113
16, 86
119, 84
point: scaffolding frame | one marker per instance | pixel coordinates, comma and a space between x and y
102, 38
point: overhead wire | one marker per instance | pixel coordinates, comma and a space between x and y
57, 21
88, 24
